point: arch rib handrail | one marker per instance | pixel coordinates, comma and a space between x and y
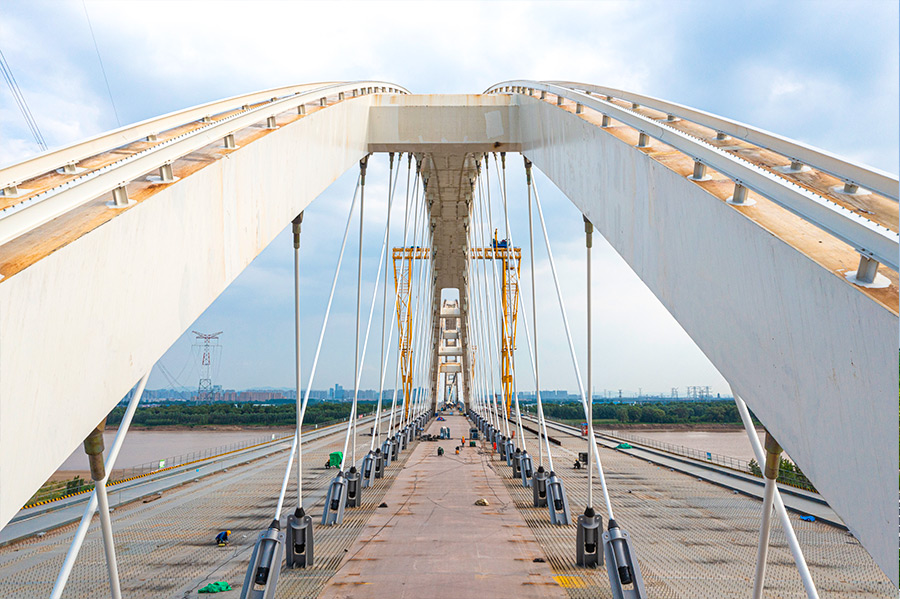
865, 236
45, 162
864, 176
47, 205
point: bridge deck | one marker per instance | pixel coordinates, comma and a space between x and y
433, 541
694, 539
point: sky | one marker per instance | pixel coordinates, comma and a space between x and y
825, 73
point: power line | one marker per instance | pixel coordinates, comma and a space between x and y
20, 101
100, 60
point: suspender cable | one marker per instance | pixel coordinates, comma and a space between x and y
478, 313
358, 358
417, 321
491, 332
502, 336
376, 431
542, 423
362, 356
588, 233
478, 366
493, 288
510, 301
296, 231
397, 296
474, 380
418, 327
486, 362
419, 363
351, 424
419, 330
392, 185
562, 308
487, 315
420, 210
419, 225
542, 436
312, 374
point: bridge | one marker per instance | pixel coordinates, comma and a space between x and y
779, 260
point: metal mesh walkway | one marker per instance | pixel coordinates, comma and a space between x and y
165, 547
693, 539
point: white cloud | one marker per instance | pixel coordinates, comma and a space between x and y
162, 56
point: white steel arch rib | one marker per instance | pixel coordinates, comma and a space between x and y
91, 296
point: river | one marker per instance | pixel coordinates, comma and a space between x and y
142, 446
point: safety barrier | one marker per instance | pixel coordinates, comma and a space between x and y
49, 492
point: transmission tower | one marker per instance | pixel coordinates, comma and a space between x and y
204, 389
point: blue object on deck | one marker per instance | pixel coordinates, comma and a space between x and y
808, 518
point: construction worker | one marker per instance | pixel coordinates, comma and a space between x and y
222, 538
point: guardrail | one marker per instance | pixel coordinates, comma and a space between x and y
40, 208
63, 489
870, 239
863, 176
45, 162
785, 475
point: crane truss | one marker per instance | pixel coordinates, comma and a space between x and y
509, 284
403, 270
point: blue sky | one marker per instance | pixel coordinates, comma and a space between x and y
825, 73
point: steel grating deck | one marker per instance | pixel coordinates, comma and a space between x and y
165, 548
693, 538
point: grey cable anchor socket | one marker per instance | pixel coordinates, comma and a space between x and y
295, 229
380, 463
395, 446
299, 545
335, 500
354, 491
526, 469
539, 487
368, 470
261, 579
588, 550
502, 449
621, 564
557, 501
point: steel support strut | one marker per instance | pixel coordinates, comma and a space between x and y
793, 543
93, 447
99, 489
770, 472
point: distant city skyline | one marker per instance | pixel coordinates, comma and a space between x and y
331, 393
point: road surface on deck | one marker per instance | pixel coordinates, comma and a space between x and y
448, 546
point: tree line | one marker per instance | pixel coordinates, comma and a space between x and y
712, 412
244, 414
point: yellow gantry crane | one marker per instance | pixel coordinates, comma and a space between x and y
403, 268
509, 285
511, 259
